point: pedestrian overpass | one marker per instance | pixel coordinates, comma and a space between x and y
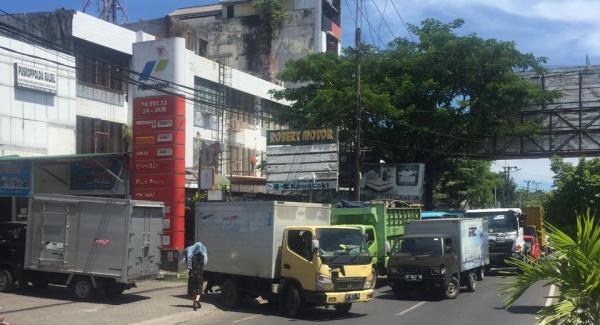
569, 127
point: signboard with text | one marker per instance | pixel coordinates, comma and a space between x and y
15, 179
158, 164
35, 78
95, 175
302, 160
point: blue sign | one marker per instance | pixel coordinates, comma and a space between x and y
15, 179
94, 175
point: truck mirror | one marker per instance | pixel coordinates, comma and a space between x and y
315, 246
388, 248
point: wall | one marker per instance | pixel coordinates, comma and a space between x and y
34, 122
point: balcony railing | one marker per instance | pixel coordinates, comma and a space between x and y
100, 94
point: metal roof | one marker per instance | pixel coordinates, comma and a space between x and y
64, 157
494, 210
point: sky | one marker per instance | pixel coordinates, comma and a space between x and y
564, 31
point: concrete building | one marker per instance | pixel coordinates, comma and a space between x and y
74, 84
233, 33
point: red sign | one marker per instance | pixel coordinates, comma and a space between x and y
158, 164
101, 242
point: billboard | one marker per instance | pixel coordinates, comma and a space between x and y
302, 160
393, 181
95, 175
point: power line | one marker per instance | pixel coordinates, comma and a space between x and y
383, 18
403, 22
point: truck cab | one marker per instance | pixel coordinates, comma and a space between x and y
429, 260
505, 233
325, 266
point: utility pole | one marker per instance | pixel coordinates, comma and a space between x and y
356, 193
507, 179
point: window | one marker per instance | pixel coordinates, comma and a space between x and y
300, 242
370, 234
99, 136
230, 11
98, 66
202, 47
448, 246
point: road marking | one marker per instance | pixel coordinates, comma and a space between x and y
550, 295
245, 318
91, 310
411, 308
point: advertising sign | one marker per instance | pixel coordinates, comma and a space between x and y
94, 174
15, 179
302, 160
393, 181
30, 77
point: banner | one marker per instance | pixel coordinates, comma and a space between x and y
94, 175
15, 179
393, 181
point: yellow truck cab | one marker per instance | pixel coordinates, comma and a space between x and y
285, 252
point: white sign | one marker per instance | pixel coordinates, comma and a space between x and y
302, 160
393, 181
35, 78
158, 66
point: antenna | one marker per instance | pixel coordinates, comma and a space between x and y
108, 10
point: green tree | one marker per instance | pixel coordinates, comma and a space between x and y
422, 101
575, 271
577, 189
467, 183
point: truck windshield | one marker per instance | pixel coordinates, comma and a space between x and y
343, 246
498, 221
419, 247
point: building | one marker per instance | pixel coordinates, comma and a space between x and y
96, 76
232, 32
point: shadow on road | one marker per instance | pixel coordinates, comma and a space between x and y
530, 310
410, 295
264, 308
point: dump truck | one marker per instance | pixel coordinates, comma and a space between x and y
439, 254
285, 252
382, 223
91, 245
534, 217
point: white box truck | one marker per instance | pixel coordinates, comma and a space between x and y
439, 254
285, 252
92, 245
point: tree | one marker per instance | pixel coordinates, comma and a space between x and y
575, 271
467, 183
577, 189
422, 101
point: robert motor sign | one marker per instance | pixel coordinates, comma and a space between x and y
302, 160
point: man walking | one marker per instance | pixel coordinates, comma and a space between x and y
196, 257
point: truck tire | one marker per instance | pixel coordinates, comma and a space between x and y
480, 274
82, 289
7, 283
230, 296
471, 282
342, 308
292, 301
452, 288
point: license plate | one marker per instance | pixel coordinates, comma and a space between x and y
352, 297
413, 277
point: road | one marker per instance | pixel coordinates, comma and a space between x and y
163, 302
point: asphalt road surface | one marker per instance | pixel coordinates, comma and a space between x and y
163, 302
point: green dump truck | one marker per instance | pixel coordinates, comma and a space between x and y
382, 223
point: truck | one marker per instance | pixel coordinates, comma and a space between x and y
439, 254
534, 218
285, 252
506, 232
382, 223
91, 245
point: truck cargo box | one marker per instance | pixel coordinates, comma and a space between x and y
104, 237
243, 238
468, 234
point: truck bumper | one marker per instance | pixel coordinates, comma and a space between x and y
500, 258
332, 298
427, 283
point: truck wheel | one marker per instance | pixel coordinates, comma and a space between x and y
293, 304
230, 296
342, 308
7, 283
481, 274
452, 288
82, 289
471, 284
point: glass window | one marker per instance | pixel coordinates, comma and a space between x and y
300, 242
448, 246
419, 246
370, 237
